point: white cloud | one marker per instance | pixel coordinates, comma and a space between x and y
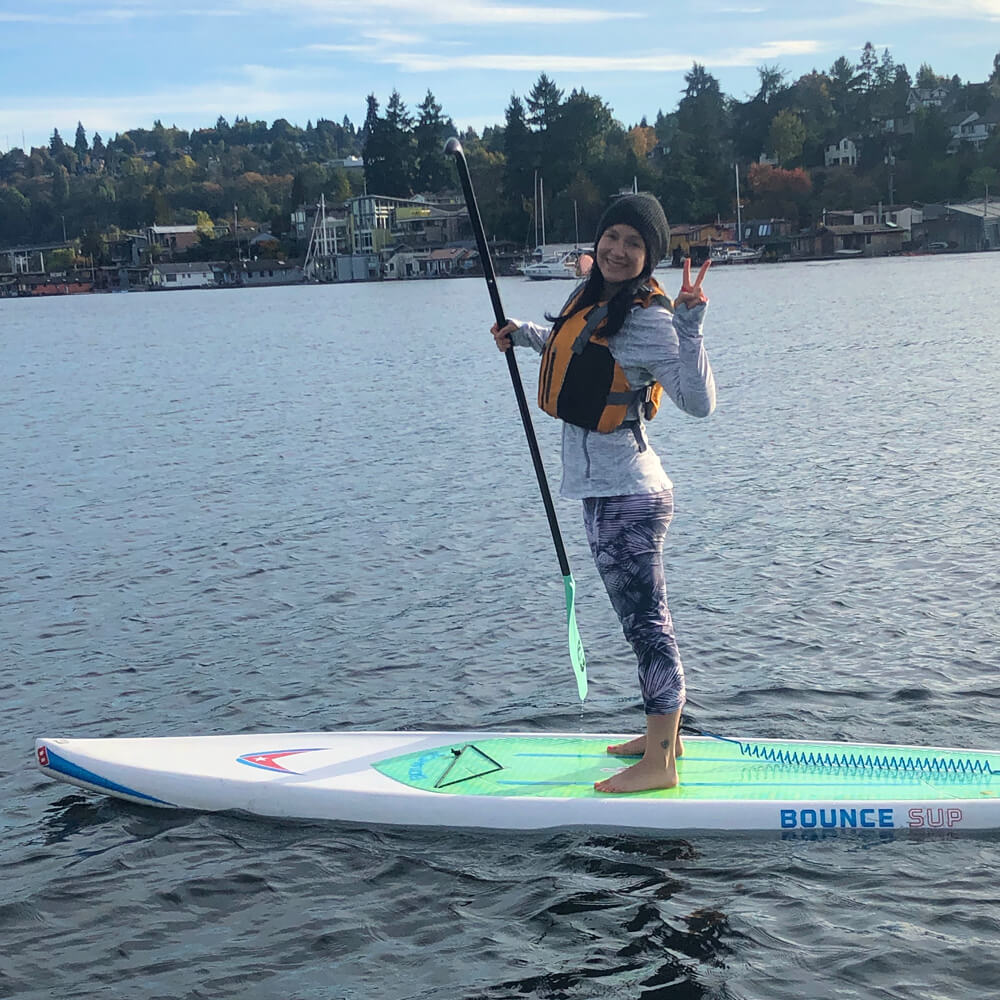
263, 92
86, 16
31, 18
655, 62
954, 10
332, 47
395, 37
455, 12
113, 14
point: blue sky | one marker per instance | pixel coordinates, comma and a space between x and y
120, 64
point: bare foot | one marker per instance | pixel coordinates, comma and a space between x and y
637, 747
642, 776
632, 748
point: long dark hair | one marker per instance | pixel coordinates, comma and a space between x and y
618, 307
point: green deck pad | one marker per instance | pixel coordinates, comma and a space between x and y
711, 769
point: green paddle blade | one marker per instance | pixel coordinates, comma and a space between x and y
576, 653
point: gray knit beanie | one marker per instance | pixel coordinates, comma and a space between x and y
644, 213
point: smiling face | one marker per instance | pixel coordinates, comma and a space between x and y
621, 253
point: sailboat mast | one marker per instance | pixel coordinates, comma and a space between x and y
739, 212
541, 192
536, 208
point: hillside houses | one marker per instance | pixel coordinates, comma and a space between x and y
969, 128
927, 97
972, 128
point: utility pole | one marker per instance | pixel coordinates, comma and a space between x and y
739, 208
890, 162
541, 192
536, 208
986, 210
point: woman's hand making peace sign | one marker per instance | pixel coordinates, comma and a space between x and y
693, 295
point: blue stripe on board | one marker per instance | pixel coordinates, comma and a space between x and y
936, 767
683, 785
623, 756
71, 770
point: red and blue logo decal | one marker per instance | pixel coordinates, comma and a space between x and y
271, 760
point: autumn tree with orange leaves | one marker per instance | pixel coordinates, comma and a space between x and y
777, 193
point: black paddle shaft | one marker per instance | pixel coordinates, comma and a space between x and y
454, 148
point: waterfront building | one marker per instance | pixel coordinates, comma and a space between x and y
199, 274
172, 239
970, 225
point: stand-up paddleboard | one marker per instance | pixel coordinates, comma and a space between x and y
526, 781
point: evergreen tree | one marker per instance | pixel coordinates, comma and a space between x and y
397, 113
56, 144
902, 84
772, 83
927, 79
518, 171
752, 119
867, 85
665, 126
544, 106
399, 122
679, 186
702, 119
885, 72
700, 83
575, 139
80, 146
867, 67
544, 102
389, 150
371, 120
434, 171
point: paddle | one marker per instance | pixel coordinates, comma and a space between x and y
454, 148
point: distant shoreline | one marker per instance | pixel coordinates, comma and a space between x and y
64, 288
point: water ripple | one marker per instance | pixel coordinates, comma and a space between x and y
279, 510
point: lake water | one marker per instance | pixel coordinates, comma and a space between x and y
313, 507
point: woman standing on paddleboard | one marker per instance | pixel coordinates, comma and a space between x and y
617, 345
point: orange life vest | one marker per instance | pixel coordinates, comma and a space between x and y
580, 381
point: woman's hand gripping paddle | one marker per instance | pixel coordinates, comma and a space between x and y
576, 654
